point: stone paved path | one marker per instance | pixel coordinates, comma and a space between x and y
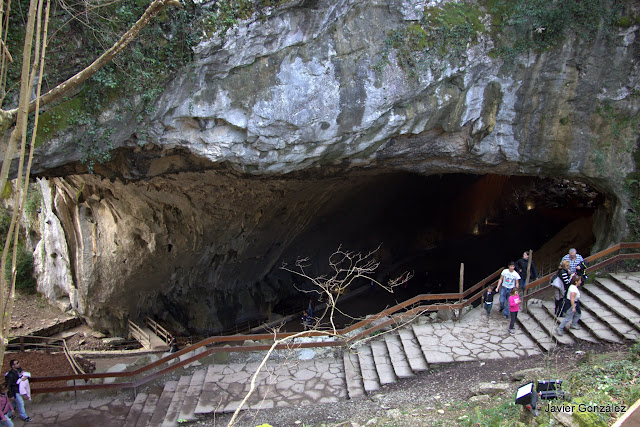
474, 338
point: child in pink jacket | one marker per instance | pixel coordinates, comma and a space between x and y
514, 307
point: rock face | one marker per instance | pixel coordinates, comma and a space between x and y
259, 134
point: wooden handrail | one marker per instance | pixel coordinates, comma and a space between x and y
387, 312
72, 361
158, 329
143, 336
46, 341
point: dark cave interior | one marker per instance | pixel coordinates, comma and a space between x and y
428, 225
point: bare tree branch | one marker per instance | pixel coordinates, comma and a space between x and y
346, 266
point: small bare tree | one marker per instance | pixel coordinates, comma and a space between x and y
346, 267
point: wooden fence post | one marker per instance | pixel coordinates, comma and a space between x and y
526, 280
461, 289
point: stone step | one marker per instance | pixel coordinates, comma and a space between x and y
173, 411
383, 362
353, 378
620, 327
594, 325
135, 410
531, 327
188, 409
412, 349
621, 293
398, 356
581, 334
631, 281
548, 323
147, 410
368, 369
212, 396
163, 404
622, 311
525, 342
430, 343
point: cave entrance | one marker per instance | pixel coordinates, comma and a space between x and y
428, 225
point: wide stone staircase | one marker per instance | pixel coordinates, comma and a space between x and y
611, 314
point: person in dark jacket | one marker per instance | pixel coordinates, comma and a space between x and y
11, 380
487, 298
5, 407
173, 346
564, 275
521, 268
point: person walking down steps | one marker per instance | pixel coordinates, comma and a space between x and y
509, 279
573, 313
514, 308
487, 298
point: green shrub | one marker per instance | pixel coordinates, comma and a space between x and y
24, 271
5, 222
33, 203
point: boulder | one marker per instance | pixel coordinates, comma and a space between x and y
532, 374
445, 314
306, 354
481, 398
488, 388
120, 367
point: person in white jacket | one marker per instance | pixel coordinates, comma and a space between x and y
24, 388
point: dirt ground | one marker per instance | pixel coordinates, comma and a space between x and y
31, 313
40, 364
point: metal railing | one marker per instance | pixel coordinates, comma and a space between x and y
402, 312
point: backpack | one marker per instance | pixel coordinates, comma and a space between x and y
583, 271
553, 278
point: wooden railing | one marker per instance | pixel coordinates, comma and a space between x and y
50, 344
608, 257
24, 342
403, 312
72, 361
137, 333
157, 329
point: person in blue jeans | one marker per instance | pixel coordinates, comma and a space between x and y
10, 380
509, 279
